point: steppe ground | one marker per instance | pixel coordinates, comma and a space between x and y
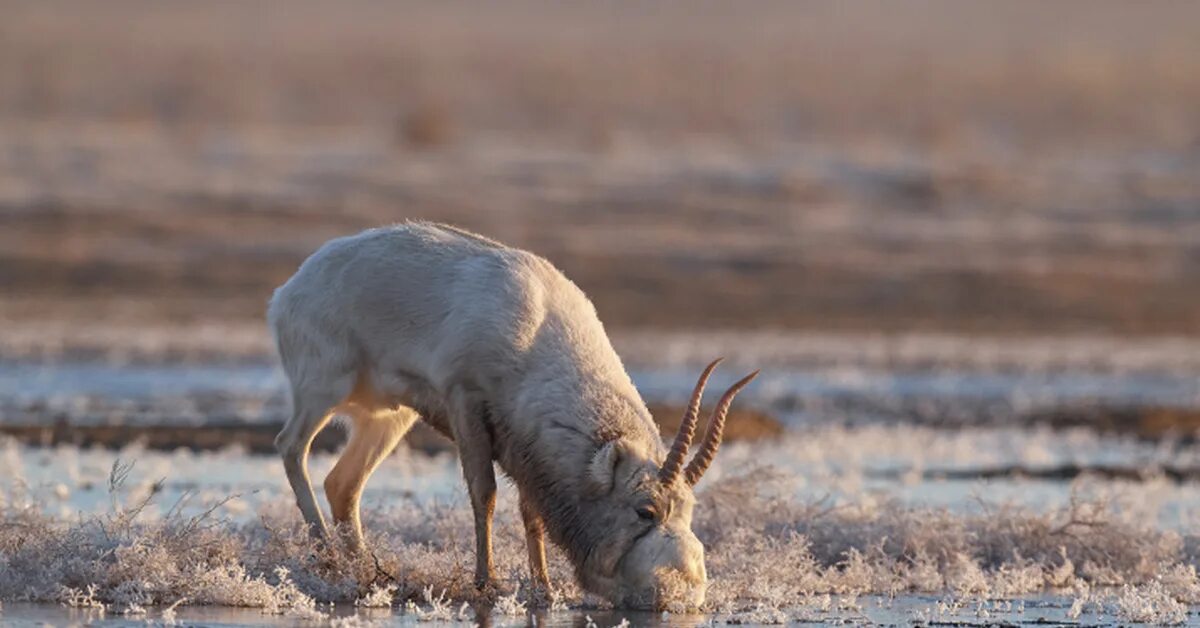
991, 168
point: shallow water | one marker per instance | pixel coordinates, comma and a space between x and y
1031, 610
195, 394
31, 381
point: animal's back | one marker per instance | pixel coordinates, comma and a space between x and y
430, 301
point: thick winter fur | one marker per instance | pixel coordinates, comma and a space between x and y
496, 348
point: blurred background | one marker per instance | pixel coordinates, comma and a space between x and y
932, 187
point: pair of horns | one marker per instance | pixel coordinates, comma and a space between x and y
687, 431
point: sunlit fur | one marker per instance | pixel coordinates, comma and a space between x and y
496, 348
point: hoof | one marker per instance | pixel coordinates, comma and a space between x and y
491, 589
541, 595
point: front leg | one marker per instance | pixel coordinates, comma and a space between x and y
535, 542
467, 423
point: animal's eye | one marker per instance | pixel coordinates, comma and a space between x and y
645, 512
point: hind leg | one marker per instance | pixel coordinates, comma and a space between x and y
311, 411
373, 436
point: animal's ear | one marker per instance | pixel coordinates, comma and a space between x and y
603, 468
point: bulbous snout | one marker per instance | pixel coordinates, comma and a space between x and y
665, 569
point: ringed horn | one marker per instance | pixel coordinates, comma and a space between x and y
687, 431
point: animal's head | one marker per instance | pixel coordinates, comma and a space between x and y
648, 556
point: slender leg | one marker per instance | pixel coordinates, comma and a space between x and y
535, 543
372, 438
475, 452
310, 414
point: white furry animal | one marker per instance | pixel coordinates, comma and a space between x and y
495, 348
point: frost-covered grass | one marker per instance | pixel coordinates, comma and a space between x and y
784, 542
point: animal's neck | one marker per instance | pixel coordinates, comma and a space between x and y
562, 406
565, 513
549, 462
600, 403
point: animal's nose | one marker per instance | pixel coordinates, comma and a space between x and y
692, 570
689, 560
689, 589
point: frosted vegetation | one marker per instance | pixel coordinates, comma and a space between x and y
811, 527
